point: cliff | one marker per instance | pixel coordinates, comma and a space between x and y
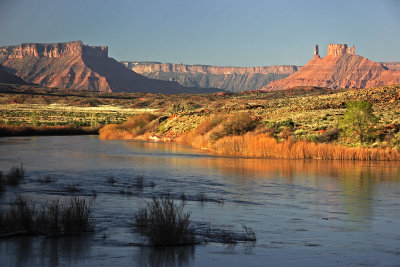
57, 50
76, 66
340, 68
228, 78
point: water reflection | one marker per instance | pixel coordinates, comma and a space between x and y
170, 256
41, 251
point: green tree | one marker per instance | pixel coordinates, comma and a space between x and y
358, 120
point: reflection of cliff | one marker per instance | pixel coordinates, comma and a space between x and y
229, 78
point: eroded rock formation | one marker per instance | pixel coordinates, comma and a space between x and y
80, 67
340, 68
229, 78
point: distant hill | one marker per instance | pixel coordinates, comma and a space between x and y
233, 79
77, 66
340, 68
6, 77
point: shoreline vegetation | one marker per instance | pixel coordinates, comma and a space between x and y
241, 135
27, 130
300, 123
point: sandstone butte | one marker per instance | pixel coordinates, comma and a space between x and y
340, 68
229, 78
76, 66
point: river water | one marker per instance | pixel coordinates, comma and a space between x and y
304, 213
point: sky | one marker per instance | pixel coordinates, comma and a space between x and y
211, 32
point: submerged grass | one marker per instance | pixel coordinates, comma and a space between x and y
21, 215
15, 175
165, 223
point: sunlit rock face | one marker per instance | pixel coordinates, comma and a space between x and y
340, 68
76, 66
229, 78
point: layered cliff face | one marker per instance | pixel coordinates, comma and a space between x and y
232, 79
77, 66
340, 68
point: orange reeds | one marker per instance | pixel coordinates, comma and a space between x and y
138, 125
261, 145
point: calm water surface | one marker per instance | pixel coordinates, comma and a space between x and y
304, 213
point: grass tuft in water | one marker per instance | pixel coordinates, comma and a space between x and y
73, 189
54, 218
139, 182
2, 183
47, 179
165, 223
15, 175
111, 180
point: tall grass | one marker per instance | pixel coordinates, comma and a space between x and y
54, 218
261, 145
133, 127
15, 175
165, 223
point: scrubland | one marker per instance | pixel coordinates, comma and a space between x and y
297, 123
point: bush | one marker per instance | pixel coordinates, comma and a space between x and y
137, 125
235, 124
329, 135
165, 223
358, 120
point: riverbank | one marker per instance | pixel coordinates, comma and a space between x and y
243, 135
23, 130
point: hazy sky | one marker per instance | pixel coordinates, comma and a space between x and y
225, 32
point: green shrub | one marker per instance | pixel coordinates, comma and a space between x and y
235, 124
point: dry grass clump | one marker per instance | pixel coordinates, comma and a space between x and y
261, 145
165, 223
219, 126
54, 218
133, 127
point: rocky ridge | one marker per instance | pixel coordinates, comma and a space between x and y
76, 66
340, 68
228, 78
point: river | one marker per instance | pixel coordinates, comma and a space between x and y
303, 212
